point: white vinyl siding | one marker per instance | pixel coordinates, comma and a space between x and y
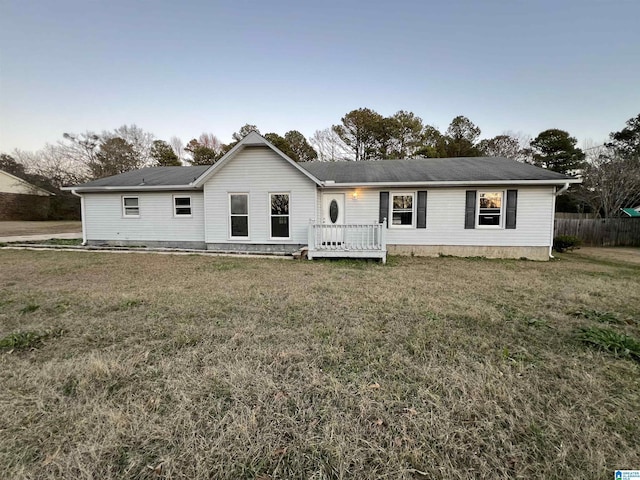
445, 217
259, 171
157, 222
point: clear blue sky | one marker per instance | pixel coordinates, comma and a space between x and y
186, 67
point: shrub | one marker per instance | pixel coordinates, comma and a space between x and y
562, 243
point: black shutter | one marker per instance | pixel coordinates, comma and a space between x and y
512, 208
422, 209
384, 207
470, 210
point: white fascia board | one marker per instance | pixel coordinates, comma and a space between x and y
251, 140
456, 183
134, 188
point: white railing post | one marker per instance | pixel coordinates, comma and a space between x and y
311, 235
383, 235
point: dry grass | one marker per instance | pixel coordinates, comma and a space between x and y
38, 228
198, 367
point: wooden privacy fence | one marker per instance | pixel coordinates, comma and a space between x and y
601, 232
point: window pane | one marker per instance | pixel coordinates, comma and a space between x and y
239, 204
183, 211
280, 204
489, 220
131, 211
402, 218
402, 201
183, 201
130, 201
239, 226
279, 226
491, 200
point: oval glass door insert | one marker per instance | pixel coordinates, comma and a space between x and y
333, 211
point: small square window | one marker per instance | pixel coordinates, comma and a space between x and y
130, 207
182, 206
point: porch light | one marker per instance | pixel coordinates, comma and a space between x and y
355, 194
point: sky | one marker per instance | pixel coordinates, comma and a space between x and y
186, 67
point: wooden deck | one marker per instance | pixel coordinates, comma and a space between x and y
348, 241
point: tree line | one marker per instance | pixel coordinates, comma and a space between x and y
611, 172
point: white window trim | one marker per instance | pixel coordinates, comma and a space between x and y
502, 210
271, 237
413, 210
175, 207
124, 209
230, 236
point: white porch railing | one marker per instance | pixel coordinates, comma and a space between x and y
350, 240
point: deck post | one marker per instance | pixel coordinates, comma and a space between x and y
311, 244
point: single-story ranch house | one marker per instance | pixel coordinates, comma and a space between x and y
255, 198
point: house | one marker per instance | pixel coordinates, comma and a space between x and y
20, 200
255, 198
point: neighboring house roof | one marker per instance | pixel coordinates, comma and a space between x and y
632, 212
434, 170
12, 184
427, 171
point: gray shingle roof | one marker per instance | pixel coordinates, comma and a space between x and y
461, 169
150, 177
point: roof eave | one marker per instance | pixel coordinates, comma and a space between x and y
132, 188
450, 183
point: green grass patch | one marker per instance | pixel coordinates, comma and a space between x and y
596, 315
27, 339
609, 340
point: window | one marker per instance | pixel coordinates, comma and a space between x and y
182, 206
130, 207
279, 215
402, 210
239, 215
489, 209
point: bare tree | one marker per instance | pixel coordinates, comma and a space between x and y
330, 146
140, 140
611, 181
178, 147
210, 141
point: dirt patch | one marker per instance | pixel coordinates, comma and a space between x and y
36, 228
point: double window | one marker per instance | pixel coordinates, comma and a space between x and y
279, 213
182, 206
130, 207
239, 215
402, 209
489, 209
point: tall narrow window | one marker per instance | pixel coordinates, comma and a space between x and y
489, 209
182, 206
130, 207
239, 215
402, 210
279, 215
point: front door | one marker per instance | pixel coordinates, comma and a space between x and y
332, 218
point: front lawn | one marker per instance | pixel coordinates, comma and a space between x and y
161, 366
